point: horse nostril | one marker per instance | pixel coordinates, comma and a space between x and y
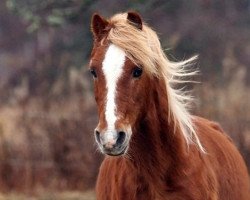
97, 136
121, 138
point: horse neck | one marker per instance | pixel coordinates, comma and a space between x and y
157, 144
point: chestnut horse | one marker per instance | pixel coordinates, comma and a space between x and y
155, 148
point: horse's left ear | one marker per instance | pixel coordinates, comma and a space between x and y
98, 26
135, 19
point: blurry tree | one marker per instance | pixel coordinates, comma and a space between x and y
49, 12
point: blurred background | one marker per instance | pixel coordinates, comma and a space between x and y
47, 109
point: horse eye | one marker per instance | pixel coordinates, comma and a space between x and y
93, 72
137, 72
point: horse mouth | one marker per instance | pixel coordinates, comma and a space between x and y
115, 152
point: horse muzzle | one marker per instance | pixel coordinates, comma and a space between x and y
112, 142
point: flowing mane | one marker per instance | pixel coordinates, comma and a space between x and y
152, 58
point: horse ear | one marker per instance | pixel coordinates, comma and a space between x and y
98, 25
135, 19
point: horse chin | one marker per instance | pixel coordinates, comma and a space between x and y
116, 152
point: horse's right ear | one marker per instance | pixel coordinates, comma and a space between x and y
98, 25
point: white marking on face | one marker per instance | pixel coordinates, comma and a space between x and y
112, 66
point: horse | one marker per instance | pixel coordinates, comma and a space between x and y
154, 147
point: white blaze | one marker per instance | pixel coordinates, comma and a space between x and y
112, 66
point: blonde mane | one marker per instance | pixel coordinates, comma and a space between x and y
143, 47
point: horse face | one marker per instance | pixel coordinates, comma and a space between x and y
120, 91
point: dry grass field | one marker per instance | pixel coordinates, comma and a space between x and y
89, 195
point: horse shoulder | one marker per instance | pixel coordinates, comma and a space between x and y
224, 159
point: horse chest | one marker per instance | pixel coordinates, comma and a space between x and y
117, 181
